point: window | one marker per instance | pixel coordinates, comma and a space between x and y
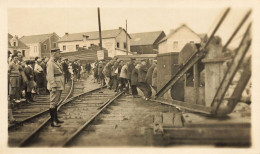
124, 45
84, 46
64, 47
35, 49
14, 43
175, 44
23, 52
117, 44
54, 45
77, 47
45, 46
91, 45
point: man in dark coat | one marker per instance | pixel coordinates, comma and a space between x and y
88, 68
28, 70
142, 85
149, 74
65, 68
134, 80
130, 68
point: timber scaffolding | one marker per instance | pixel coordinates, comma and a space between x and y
218, 82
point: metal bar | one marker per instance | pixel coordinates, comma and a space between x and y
194, 58
99, 28
69, 139
237, 29
228, 77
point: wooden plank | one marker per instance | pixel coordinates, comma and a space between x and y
185, 105
217, 135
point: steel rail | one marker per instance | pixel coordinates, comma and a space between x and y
39, 113
61, 103
24, 141
104, 105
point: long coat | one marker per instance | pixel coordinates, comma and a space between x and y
134, 77
107, 69
113, 69
123, 73
28, 70
129, 70
149, 74
142, 73
55, 76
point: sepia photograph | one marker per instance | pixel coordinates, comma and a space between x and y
103, 76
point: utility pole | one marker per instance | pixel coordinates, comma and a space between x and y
126, 38
99, 27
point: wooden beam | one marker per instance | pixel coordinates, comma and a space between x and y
237, 29
185, 105
228, 77
196, 82
244, 78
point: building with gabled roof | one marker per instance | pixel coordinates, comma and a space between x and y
114, 41
146, 42
178, 38
15, 45
41, 45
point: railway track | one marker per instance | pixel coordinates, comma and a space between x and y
26, 112
100, 117
77, 111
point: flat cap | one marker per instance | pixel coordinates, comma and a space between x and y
55, 50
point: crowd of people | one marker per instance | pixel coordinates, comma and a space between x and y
27, 78
127, 76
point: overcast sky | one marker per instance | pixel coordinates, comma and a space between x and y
31, 21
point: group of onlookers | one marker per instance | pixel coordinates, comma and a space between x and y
75, 70
124, 75
25, 78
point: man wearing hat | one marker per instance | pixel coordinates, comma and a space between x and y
149, 74
130, 68
55, 85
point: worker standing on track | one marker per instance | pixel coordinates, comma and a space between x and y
55, 85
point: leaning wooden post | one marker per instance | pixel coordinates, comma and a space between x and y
196, 82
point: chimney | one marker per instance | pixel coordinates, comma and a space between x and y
85, 37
